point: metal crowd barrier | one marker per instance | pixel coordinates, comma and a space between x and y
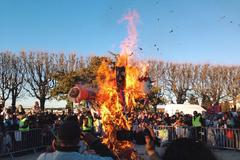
218, 138
214, 137
24, 141
223, 138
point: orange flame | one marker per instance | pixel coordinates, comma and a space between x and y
113, 118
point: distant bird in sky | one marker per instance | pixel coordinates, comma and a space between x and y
158, 19
230, 21
222, 17
140, 48
171, 31
155, 45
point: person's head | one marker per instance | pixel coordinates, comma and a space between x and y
21, 115
162, 124
70, 111
166, 115
181, 119
10, 116
68, 136
9, 110
195, 113
233, 110
187, 149
36, 103
177, 115
85, 121
74, 94
88, 113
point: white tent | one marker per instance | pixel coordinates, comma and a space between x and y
171, 109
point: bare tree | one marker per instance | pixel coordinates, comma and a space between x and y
233, 83
178, 80
4, 76
16, 79
156, 72
39, 75
210, 84
202, 84
217, 77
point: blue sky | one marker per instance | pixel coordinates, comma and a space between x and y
204, 31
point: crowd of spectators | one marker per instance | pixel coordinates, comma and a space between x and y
229, 119
22, 120
25, 120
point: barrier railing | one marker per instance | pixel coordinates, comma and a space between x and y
223, 138
17, 141
214, 137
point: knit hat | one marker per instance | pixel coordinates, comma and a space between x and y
69, 133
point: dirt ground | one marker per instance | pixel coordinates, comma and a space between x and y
221, 154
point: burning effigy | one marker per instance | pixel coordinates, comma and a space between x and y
118, 89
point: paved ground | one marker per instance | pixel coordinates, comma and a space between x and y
221, 154
227, 155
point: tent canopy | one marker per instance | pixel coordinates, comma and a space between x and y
171, 109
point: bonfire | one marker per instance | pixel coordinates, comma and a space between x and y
119, 87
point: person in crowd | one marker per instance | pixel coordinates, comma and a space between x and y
20, 109
180, 128
46, 121
23, 123
6, 142
167, 119
10, 121
150, 147
196, 124
36, 108
97, 124
87, 125
66, 145
58, 122
180, 149
230, 120
188, 149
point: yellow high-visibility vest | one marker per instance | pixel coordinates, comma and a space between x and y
196, 122
89, 125
21, 124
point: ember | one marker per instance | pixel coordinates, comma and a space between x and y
118, 90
